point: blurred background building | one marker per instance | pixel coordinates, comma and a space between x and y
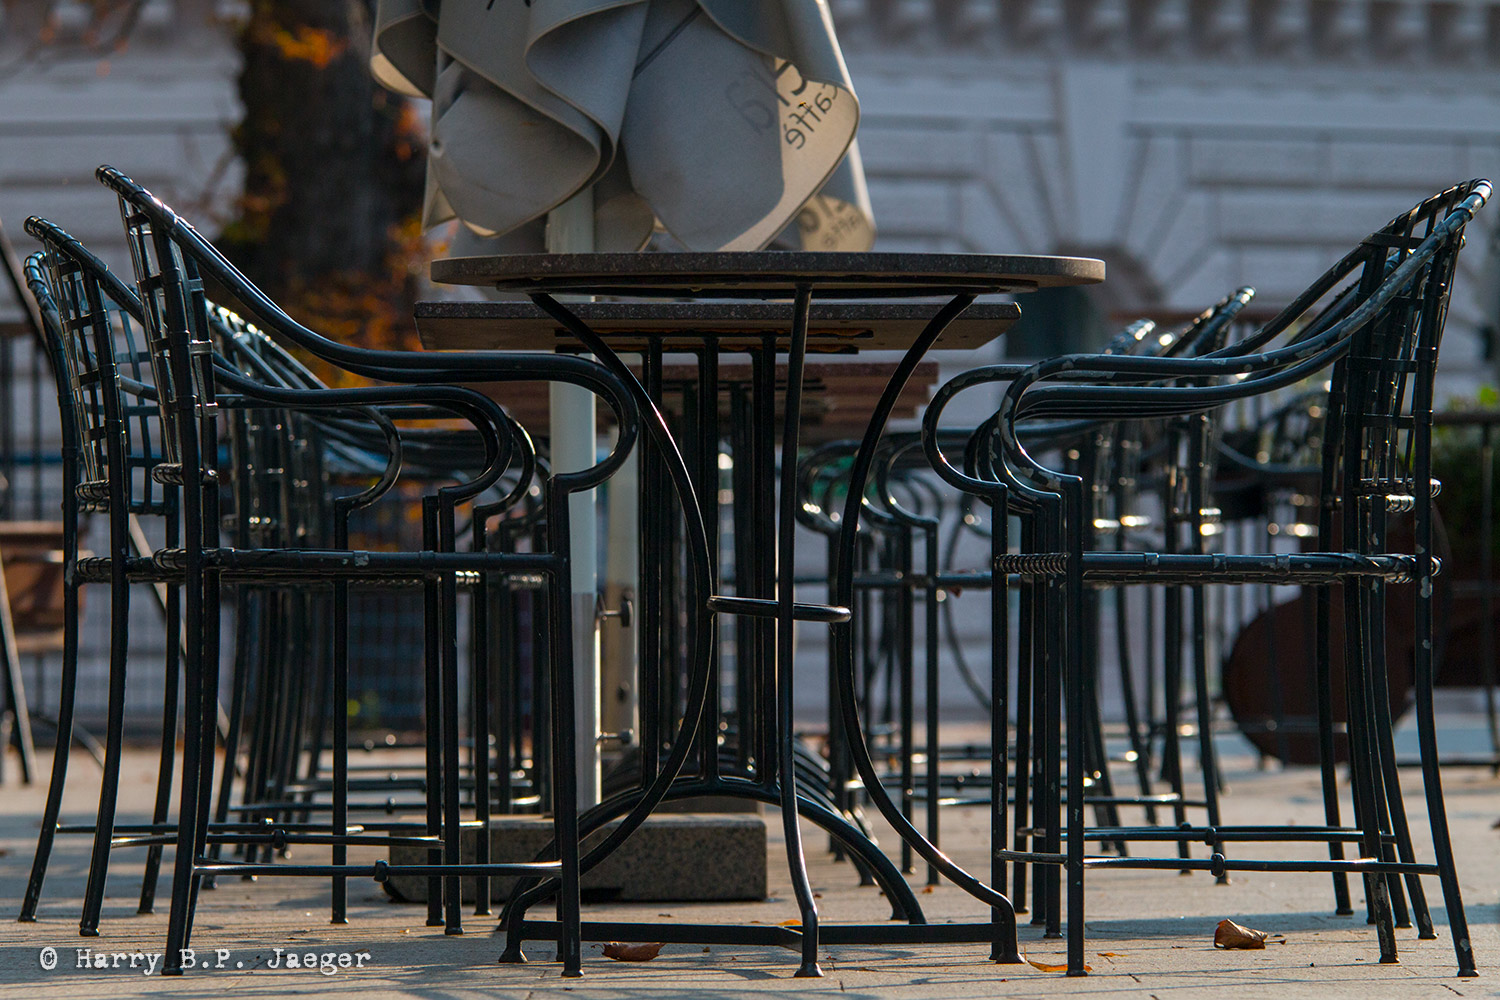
1196, 145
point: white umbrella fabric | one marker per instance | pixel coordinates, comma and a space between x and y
718, 121
576, 125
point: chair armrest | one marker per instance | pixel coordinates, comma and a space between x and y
485, 415
398, 367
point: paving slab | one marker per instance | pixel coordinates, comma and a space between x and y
648, 867
1150, 933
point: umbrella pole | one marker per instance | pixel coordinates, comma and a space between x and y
617, 667
570, 229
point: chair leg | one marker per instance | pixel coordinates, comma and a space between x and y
931, 665
564, 746
246, 622
1437, 814
1362, 768
433, 721
452, 799
1075, 680
906, 696
66, 702
1209, 761
207, 739
168, 752
479, 737
1095, 750
339, 706
1393, 807
1140, 739
785, 639
1171, 755
195, 707
1432, 779
1025, 710
119, 648
262, 694
1326, 756
1051, 749
1004, 947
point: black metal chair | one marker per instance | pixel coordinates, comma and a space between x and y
101, 396
283, 466
1172, 460
1375, 321
170, 257
902, 507
111, 446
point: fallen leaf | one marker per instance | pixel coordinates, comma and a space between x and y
1109, 954
927, 890
790, 923
631, 952
1044, 967
1231, 935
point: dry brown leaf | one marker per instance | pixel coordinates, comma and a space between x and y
927, 890
794, 922
631, 952
1044, 967
1231, 935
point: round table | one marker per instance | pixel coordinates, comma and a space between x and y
953, 282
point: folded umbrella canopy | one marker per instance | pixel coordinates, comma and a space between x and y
720, 121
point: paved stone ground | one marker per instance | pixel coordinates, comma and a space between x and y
1150, 933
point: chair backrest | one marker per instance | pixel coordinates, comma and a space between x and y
183, 253
54, 343
175, 311
105, 386
1386, 300
1380, 403
108, 392
1379, 297
278, 483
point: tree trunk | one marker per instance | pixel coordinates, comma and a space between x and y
328, 222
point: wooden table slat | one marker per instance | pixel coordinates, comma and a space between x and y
836, 402
835, 328
767, 274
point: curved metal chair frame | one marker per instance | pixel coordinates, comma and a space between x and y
111, 447
170, 257
1380, 336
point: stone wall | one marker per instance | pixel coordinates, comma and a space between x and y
1196, 146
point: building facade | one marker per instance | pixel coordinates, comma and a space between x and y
1196, 145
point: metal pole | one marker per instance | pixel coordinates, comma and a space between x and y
620, 696
570, 229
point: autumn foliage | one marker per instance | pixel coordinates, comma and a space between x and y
328, 222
